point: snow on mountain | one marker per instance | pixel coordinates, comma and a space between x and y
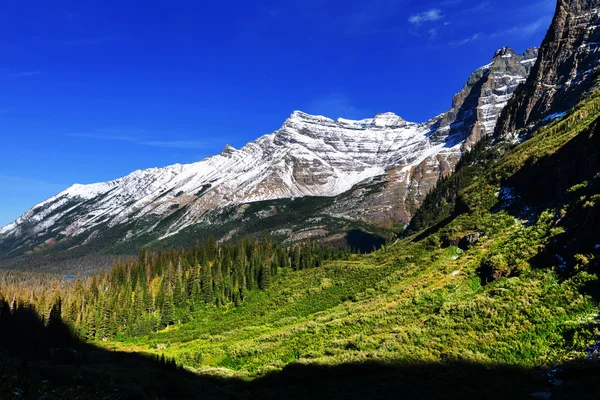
308, 156
474, 114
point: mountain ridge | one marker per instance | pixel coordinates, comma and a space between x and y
308, 156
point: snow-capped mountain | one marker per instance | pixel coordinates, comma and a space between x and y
308, 156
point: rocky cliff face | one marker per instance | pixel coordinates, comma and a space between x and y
474, 114
309, 156
566, 70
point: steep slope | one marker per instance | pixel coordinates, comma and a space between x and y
567, 67
308, 156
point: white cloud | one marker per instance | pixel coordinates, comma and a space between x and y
434, 14
470, 39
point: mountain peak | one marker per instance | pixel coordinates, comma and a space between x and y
506, 58
300, 116
388, 119
310, 155
229, 149
505, 52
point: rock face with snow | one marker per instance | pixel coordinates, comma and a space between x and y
567, 67
308, 156
474, 114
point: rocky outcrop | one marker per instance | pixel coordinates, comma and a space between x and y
567, 68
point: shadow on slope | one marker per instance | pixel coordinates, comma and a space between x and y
364, 242
43, 360
568, 180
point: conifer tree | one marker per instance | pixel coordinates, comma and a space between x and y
265, 277
167, 310
207, 284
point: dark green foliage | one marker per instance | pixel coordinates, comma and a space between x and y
167, 312
36, 366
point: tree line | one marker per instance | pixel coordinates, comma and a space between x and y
160, 288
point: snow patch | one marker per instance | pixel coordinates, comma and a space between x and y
554, 116
529, 61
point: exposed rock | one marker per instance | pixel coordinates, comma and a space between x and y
566, 69
393, 198
469, 241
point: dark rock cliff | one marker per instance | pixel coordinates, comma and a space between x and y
567, 68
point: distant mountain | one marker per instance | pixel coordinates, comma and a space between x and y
375, 171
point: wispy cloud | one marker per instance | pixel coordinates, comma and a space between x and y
23, 74
104, 136
135, 137
87, 41
482, 7
435, 14
433, 33
181, 144
516, 31
374, 17
525, 31
470, 39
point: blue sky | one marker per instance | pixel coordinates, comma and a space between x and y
93, 90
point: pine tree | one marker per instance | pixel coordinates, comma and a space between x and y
265, 277
219, 290
167, 310
207, 284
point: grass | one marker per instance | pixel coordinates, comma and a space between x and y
426, 308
